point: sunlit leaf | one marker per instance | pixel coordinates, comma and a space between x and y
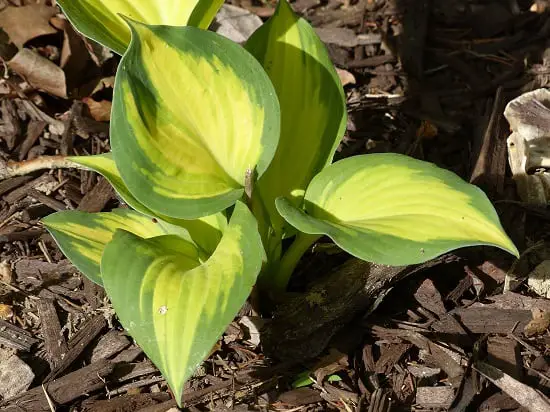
192, 113
205, 231
313, 107
174, 307
82, 236
102, 20
395, 210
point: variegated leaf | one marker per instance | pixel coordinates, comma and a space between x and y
173, 306
395, 210
205, 231
82, 236
102, 20
192, 113
313, 106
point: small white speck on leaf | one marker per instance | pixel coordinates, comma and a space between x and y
163, 309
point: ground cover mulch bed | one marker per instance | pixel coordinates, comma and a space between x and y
424, 78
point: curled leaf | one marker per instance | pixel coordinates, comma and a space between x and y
192, 113
173, 306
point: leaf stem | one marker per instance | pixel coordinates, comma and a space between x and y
290, 260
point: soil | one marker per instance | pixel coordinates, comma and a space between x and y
464, 332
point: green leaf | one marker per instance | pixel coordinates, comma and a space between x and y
102, 21
395, 210
313, 106
205, 231
82, 236
304, 379
193, 112
173, 307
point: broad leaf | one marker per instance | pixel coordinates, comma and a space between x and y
313, 107
205, 231
193, 112
395, 210
102, 20
82, 236
173, 307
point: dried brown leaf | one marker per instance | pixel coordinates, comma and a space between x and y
539, 323
104, 83
6, 311
25, 23
345, 77
40, 72
100, 111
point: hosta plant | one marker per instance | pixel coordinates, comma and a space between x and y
222, 152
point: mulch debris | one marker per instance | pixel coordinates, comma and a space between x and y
466, 331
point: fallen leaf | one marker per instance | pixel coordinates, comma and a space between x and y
39, 72
538, 7
100, 111
426, 130
27, 22
6, 274
6, 311
337, 35
236, 23
345, 77
104, 83
539, 279
539, 323
253, 324
75, 45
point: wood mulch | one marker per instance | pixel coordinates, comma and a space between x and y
424, 78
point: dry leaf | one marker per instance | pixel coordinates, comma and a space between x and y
100, 111
236, 23
337, 35
6, 311
104, 83
39, 72
539, 279
539, 324
426, 130
6, 274
538, 7
78, 47
25, 23
345, 77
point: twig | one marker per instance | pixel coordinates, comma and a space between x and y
133, 385
12, 169
50, 403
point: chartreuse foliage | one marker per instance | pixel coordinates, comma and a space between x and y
313, 107
103, 20
174, 304
223, 151
185, 151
